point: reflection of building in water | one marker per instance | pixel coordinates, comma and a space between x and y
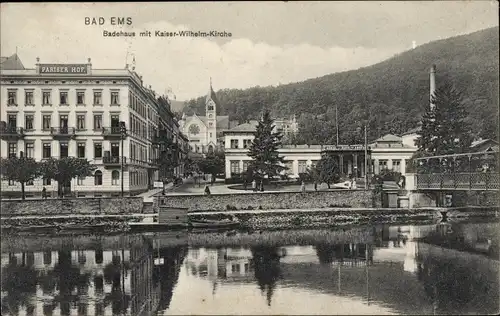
99, 281
226, 263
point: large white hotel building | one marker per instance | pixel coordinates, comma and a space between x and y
60, 110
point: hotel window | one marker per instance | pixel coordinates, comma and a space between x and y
46, 98
47, 181
11, 182
98, 177
81, 150
63, 150
302, 166
30, 182
235, 167
79, 180
97, 150
97, 121
246, 163
12, 121
97, 98
63, 97
115, 149
247, 143
314, 163
29, 150
12, 149
234, 143
28, 97
46, 122
28, 122
382, 164
115, 177
46, 152
12, 97
115, 98
396, 165
80, 97
80, 121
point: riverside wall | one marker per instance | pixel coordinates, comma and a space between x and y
80, 206
272, 200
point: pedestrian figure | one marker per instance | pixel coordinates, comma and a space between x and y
354, 183
44, 193
245, 184
254, 185
261, 186
316, 186
207, 190
303, 187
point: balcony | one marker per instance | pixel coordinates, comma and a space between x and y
11, 133
62, 133
114, 161
114, 132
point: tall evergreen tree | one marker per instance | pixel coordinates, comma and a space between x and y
444, 126
264, 149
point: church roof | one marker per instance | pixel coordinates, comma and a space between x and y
222, 120
11, 63
211, 94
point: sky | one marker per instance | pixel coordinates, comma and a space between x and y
270, 44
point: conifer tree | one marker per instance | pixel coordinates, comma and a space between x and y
264, 149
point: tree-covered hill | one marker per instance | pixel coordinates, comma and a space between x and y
390, 95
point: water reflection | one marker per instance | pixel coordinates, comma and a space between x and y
429, 269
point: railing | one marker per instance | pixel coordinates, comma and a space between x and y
114, 160
470, 171
112, 131
62, 131
459, 181
12, 130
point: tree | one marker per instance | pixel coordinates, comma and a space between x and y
65, 169
213, 164
20, 169
266, 160
168, 158
444, 126
327, 170
445, 129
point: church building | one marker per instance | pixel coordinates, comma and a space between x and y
205, 132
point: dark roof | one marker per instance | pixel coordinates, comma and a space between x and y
11, 63
250, 126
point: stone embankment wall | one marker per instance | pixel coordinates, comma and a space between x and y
289, 219
271, 200
80, 206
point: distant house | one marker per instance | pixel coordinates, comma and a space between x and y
484, 145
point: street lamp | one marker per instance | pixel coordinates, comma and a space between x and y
123, 134
366, 156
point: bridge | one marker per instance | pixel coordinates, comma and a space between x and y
470, 171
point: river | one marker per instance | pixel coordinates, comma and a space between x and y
436, 268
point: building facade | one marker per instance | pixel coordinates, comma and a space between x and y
204, 133
386, 152
107, 116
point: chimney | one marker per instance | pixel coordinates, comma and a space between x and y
432, 85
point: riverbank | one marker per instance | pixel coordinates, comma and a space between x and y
248, 219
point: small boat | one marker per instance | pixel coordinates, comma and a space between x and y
226, 224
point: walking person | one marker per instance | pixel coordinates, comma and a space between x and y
261, 186
316, 186
302, 187
245, 184
44, 193
254, 185
207, 190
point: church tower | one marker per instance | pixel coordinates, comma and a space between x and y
211, 115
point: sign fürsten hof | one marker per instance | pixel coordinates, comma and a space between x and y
63, 69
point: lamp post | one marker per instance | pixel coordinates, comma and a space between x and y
366, 160
123, 134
